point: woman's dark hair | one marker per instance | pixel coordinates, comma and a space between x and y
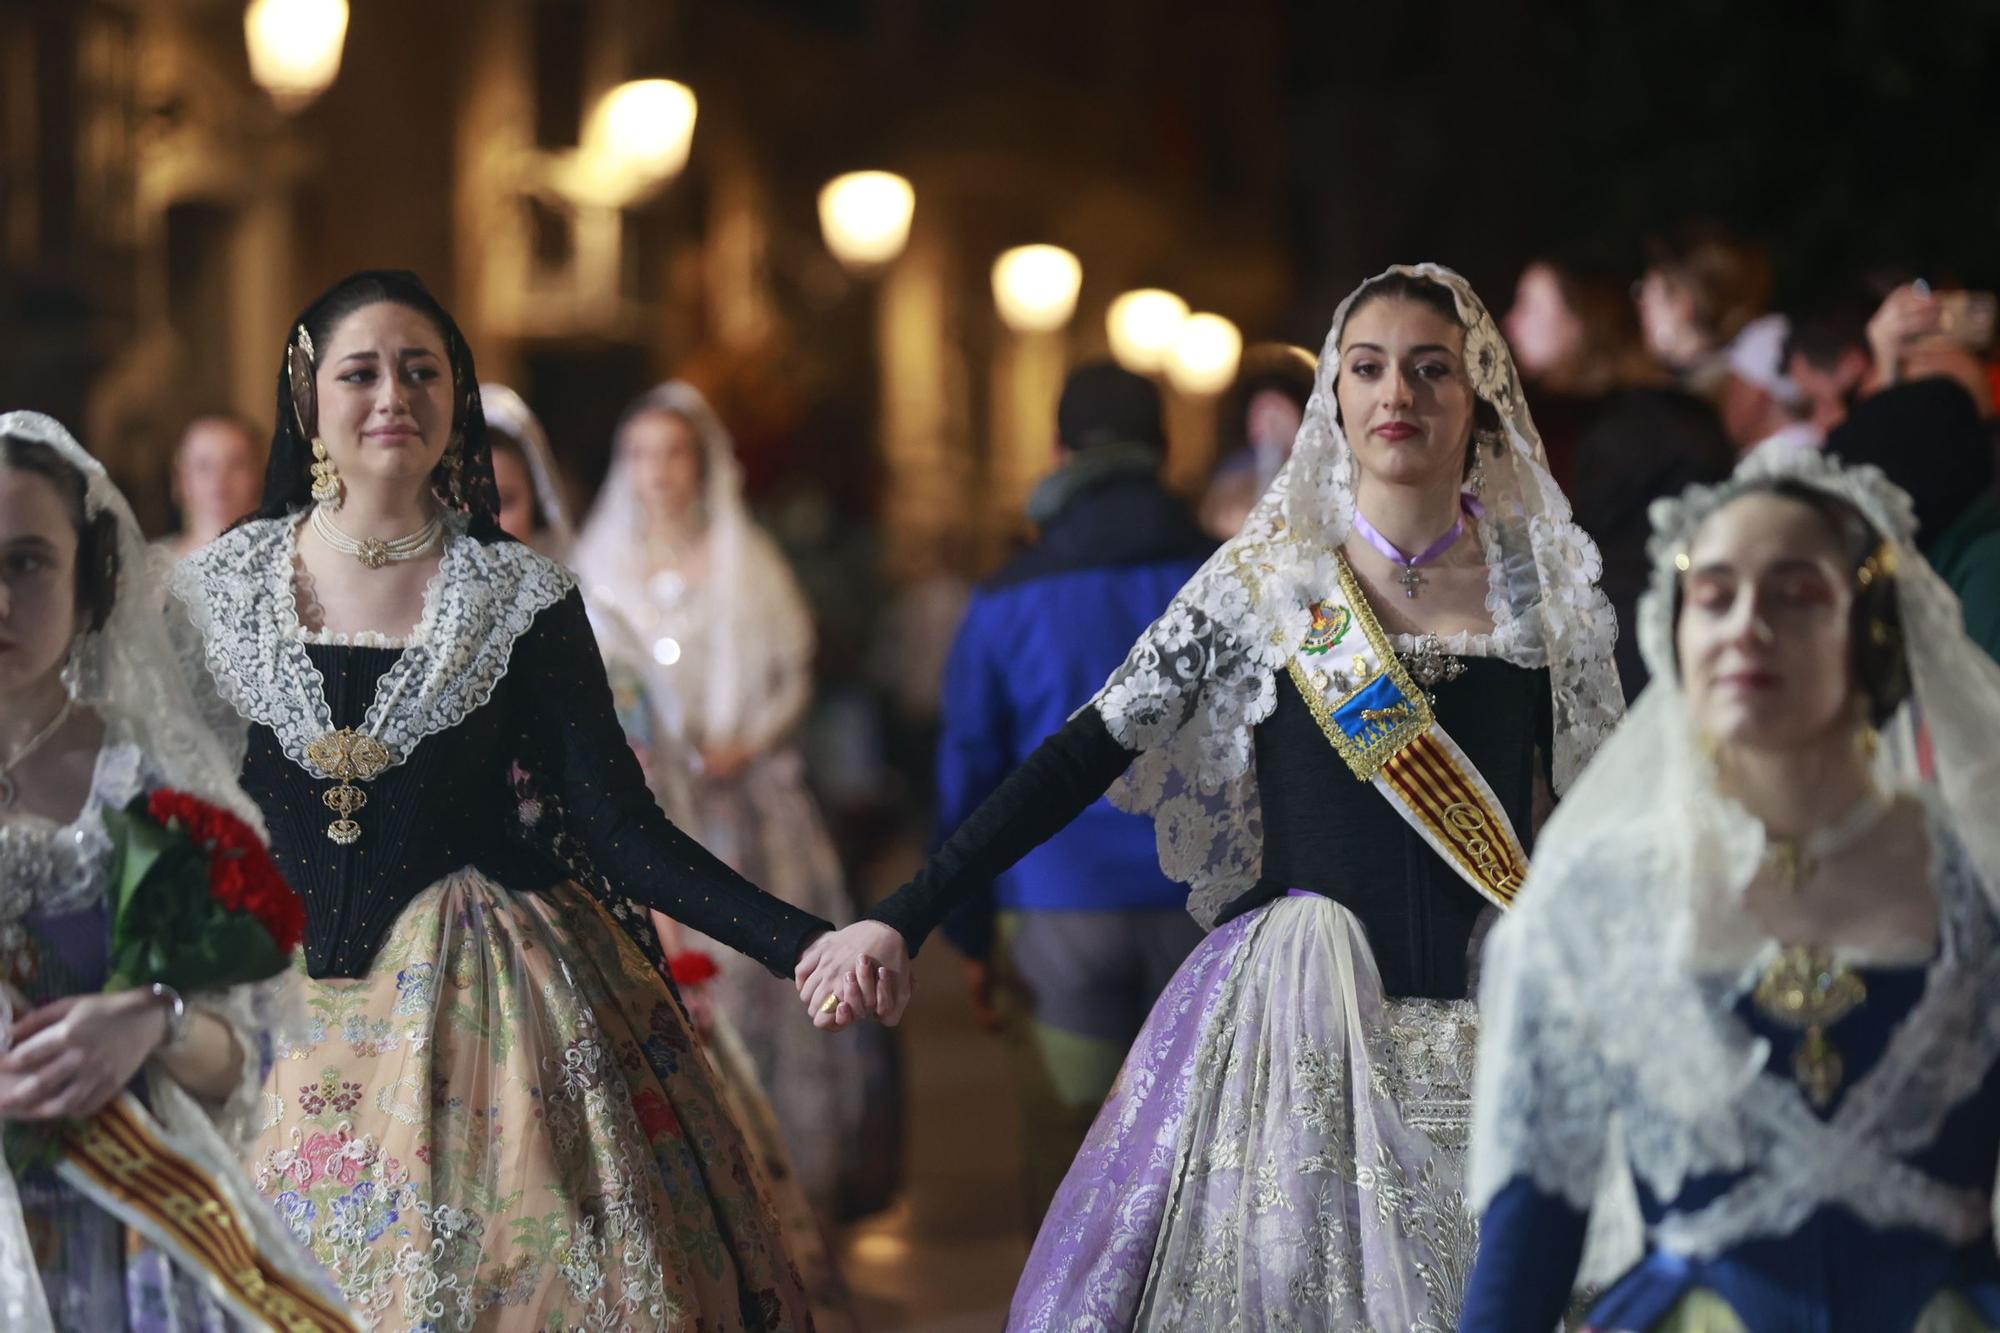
1438, 297
96, 538
1611, 353
288, 479
1728, 281
1880, 668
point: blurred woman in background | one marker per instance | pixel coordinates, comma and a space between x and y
670, 547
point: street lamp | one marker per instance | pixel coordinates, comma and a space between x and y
865, 217
1143, 325
638, 136
1204, 355
295, 47
1035, 287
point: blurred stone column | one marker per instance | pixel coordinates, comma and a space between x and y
925, 440
1027, 381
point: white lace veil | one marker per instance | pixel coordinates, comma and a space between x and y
509, 414
1635, 884
756, 621
135, 672
1204, 675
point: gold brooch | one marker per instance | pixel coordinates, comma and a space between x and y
345, 756
1804, 989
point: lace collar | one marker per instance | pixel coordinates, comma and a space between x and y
50, 867
240, 593
1589, 1023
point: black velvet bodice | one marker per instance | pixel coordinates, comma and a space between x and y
1324, 830
452, 803
1330, 833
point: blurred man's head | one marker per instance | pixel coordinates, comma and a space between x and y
1102, 404
1826, 356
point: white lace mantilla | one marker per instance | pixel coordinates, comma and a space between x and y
1196, 686
239, 590
1606, 1058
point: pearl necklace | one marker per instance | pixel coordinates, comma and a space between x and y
9, 793
372, 552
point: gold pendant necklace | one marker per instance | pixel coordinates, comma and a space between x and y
1806, 990
347, 756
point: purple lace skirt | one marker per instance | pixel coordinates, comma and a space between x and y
1283, 1148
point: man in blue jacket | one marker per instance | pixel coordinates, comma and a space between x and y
1070, 949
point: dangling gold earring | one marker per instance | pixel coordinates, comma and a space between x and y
326, 488
1867, 743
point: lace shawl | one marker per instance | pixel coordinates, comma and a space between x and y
239, 593
1608, 1047
1196, 685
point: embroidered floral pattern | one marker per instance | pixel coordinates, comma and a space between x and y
543, 1146
1251, 1170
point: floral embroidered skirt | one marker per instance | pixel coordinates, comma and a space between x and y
508, 1125
1284, 1148
768, 828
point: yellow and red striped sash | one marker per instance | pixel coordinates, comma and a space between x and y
1373, 714
119, 1158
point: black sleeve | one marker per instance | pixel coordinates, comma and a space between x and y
1052, 786
577, 747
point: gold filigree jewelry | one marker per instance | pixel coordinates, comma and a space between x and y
1787, 857
326, 489
1867, 743
1806, 990
347, 756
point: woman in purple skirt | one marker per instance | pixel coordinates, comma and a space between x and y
1340, 728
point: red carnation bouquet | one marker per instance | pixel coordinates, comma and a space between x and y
197, 903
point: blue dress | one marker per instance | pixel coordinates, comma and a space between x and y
1831, 1273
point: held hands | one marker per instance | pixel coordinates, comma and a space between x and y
72, 1056
864, 970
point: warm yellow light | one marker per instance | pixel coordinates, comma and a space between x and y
295, 47
1143, 325
1205, 355
638, 136
1035, 287
865, 217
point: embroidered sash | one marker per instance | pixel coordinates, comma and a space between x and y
121, 1159
1374, 715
